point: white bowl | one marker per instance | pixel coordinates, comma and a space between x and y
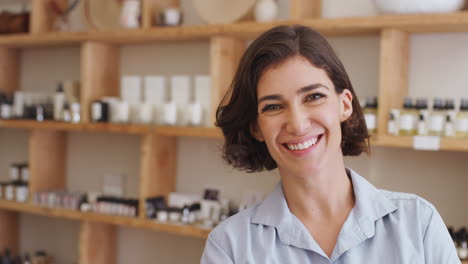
418, 6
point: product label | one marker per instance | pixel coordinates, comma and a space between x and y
426, 143
392, 128
436, 123
462, 124
407, 122
371, 121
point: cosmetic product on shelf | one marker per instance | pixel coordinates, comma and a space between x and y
123, 112
21, 191
67, 116
129, 17
392, 125
153, 205
162, 215
449, 128
423, 116
170, 16
437, 118
10, 191
17, 188
194, 111
18, 104
461, 242
461, 123
145, 113
60, 199
75, 109
180, 95
408, 118
169, 110
6, 107
59, 101
117, 206
370, 114
174, 214
99, 112
450, 108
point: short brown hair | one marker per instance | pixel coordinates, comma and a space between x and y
238, 109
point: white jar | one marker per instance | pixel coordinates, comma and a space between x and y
130, 14
266, 10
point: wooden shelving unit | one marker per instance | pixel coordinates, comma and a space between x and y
184, 230
173, 131
424, 23
100, 69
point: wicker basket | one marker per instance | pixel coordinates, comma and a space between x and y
14, 23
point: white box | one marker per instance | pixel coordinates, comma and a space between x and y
180, 94
154, 89
203, 96
130, 89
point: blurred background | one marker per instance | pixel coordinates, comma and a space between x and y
98, 164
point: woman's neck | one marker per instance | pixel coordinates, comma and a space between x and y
321, 195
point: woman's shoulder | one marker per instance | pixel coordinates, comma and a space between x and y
412, 207
234, 225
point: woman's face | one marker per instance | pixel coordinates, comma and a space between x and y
299, 117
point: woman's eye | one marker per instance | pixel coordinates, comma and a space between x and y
314, 97
271, 107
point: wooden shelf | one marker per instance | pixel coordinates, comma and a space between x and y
449, 144
421, 23
184, 230
204, 132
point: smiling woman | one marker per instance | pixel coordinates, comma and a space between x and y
292, 107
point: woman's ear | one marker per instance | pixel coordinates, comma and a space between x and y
346, 98
255, 131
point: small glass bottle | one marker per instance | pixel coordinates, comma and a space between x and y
6, 108
437, 118
370, 114
449, 130
422, 126
461, 123
408, 119
392, 125
462, 245
67, 117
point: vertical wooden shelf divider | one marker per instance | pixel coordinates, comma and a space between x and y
225, 54
42, 16
98, 243
9, 231
9, 70
9, 83
158, 167
151, 7
305, 9
47, 161
393, 86
100, 71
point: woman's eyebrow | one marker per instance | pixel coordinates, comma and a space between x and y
310, 88
300, 91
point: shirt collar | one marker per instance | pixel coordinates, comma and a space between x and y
371, 205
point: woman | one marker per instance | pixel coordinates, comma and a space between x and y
292, 107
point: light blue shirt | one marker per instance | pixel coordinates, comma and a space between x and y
383, 227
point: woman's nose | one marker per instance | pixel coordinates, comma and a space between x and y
297, 122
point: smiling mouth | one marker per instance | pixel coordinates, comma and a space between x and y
303, 145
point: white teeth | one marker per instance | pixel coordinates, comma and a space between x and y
304, 145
